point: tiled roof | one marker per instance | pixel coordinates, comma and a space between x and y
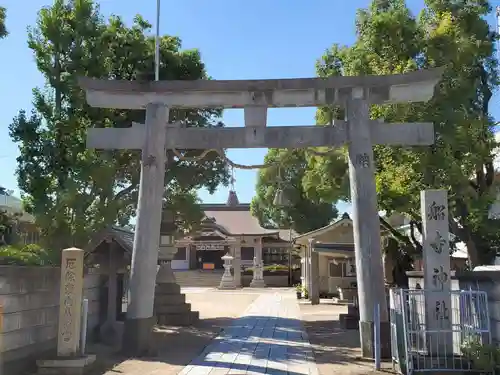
235, 219
345, 218
124, 237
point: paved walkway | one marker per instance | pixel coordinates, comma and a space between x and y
268, 339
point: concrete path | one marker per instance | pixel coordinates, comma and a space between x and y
268, 338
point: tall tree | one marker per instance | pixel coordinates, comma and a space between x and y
452, 34
3, 27
73, 191
286, 172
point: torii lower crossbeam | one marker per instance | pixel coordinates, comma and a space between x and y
417, 134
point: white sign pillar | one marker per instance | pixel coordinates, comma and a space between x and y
437, 280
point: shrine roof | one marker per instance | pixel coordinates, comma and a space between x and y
236, 219
124, 237
333, 247
345, 219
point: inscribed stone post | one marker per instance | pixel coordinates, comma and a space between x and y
71, 294
437, 282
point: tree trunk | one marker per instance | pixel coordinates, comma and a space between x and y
472, 253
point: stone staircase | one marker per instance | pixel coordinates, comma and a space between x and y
171, 307
198, 278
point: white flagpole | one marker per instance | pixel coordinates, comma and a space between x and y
157, 42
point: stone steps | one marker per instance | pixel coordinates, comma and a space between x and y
197, 278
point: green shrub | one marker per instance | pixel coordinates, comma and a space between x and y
28, 255
484, 358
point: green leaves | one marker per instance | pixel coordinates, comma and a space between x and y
3, 28
450, 34
73, 191
391, 40
286, 172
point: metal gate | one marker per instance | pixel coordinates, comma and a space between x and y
418, 345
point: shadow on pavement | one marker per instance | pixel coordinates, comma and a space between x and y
338, 350
258, 338
173, 345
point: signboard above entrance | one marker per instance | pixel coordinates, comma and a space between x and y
210, 247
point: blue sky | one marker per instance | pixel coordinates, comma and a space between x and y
237, 39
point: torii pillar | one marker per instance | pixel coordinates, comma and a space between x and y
355, 94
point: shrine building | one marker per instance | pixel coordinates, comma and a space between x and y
225, 225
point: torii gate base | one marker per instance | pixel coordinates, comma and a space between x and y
355, 94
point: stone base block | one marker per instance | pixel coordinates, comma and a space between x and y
169, 299
178, 319
227, 284
349, 321
340, 301
111, 333
171, 307
66, 366
137, 337
170, 288
226, 287
182, 308
258, 283
367, 340
352, 310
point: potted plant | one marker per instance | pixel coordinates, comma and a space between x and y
298, 290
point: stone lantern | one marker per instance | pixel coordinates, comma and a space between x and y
170, 305
227, 281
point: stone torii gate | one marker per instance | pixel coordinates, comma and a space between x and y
355, 94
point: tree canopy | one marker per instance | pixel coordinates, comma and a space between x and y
448, 33
302, 212
3, 27
73, 191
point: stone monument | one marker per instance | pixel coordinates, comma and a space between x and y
69, 359
170, 305
258, 274
227, 280
437, 279
358, 131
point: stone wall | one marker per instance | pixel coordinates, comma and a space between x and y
30, 299
271, 281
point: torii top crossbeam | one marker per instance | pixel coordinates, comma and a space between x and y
415, 86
